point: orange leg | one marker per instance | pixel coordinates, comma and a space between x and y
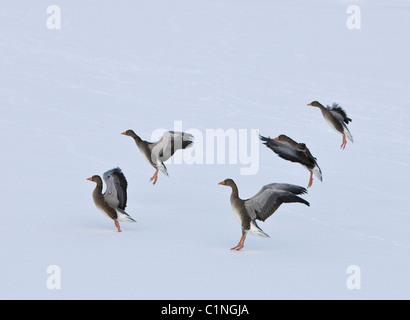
154, 177
117, 224
240, 244
344, 142
310, 180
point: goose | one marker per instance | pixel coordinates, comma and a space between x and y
261, 206
288, 149
156, 153
114, 200
337, 119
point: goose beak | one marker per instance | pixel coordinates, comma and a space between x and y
91, 178
222, 183
277, 138
124, 133
309, 104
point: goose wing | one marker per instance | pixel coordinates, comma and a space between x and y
116, 191
170, 142
338, 112
288, 152
262, 205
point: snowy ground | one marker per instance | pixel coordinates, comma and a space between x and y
66, 95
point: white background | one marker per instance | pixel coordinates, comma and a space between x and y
66, 95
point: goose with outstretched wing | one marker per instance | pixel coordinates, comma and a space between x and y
290, 150
156, 153
114, 200
261, 206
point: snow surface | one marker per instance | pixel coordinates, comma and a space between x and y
66, 95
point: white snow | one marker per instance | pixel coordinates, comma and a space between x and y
66, 95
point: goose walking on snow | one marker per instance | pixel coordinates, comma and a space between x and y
288, 149
158, 152
114, 200
337, 119
261, 206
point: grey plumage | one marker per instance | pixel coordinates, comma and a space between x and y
338, 111
337, 118
156, 153
290, 150
114, 200
261, 206
116, 191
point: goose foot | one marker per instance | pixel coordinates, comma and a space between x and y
154, 177
310, 180
344, 142
240, 244
117, 224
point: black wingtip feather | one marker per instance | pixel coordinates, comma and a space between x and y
187, 144
337, 107
262, 138
267, 141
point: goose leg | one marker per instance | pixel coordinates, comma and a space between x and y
240, 244
117, 224
344, 142
154, 177
310, 180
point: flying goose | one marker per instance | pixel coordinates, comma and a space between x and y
114, 200
261, 206
288, 149
337, 119
156, 153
